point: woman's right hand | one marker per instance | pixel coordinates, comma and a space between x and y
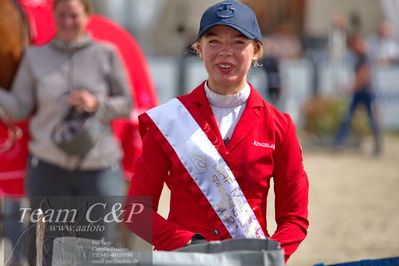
82, 100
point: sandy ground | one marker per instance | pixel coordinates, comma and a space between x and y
353, 205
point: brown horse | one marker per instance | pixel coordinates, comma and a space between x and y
15, 37
14, 34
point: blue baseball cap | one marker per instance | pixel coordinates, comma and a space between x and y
233, 14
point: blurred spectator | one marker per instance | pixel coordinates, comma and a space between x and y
281, 45
287, 43
74, 75
362, 93
270, 65
383, 46
337, 50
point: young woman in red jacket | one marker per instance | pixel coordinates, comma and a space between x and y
218, 147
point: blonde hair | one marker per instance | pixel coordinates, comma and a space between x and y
86, 5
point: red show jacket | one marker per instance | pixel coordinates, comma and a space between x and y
264, 145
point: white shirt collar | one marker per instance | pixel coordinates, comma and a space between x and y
227, 101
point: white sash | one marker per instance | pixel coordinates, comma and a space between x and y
207, 168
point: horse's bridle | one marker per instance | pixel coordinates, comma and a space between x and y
14, 133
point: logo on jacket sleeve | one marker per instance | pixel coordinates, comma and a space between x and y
264, 145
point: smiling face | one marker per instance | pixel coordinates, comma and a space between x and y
227, 55
71, 18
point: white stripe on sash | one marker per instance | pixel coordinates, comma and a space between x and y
207, 168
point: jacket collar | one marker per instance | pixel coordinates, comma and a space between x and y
249, 119
198, 96
71, 46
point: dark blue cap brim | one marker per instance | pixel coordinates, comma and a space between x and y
237, 28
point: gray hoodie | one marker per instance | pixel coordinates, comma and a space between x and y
44, 78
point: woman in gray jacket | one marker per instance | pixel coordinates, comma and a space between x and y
72, 71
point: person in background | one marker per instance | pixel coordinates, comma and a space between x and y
218, 148
72, 72
337, 52
362, 94
384, 47
287, 44
271, 65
